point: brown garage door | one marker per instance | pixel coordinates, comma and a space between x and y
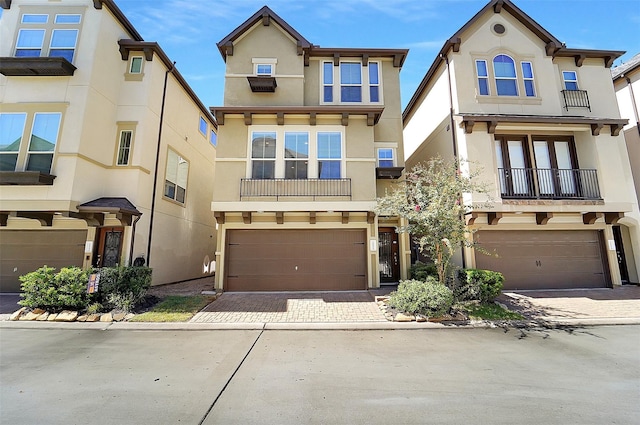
295, 260
545, 259
23, 251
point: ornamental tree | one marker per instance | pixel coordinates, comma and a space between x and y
430, 199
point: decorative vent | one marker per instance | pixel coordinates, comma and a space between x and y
499, 29
262, 84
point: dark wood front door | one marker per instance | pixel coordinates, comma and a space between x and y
622, 261
388, 255
109, 246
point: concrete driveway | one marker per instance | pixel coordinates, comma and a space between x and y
578, 306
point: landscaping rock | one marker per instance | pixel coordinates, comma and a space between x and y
82, 318
401, 317
129, 316
52, 317
43, 317
16, 314
67, 316
93, 317
117, 317
38, 311
107, 317
420, 318
30, 316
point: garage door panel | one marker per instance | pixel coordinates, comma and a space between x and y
545, 259
23, 251
288, 260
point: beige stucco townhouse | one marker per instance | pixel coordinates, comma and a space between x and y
626, 81
106, 154
308, 138
541, 122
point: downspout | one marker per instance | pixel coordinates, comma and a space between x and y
453, 137
155, 175
133, 238
634, 104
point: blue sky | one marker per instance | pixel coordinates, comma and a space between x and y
188, 30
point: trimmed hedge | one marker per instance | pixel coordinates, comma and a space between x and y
478, 285
421, 271
120, 288
429, 298
54, 292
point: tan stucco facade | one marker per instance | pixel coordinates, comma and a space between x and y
481, 118
100, 102
297, 105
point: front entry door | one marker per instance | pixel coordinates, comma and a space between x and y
109, 246
622, 261
388, 255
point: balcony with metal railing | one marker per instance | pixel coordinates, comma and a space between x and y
290, 188
548, 183
576, 99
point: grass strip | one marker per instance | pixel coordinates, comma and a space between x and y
174, 308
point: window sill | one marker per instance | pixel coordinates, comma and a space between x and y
173, 201
133, 77
36, 67
25, 178
517, 100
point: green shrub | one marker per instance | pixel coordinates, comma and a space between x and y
420, 271
51, 291
121, 288
478, 285
429, 298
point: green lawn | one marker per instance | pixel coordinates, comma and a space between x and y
174, 309
490, 312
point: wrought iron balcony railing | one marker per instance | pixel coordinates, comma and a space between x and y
548, 183
576, 99
278, 188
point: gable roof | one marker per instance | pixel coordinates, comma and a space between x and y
266, 15
305, 47
553, 46
630, 65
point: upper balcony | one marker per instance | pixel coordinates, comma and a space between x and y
36, 66
292, 188
548, 183
576, 99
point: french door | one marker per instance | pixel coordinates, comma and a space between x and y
513, 164
555, 167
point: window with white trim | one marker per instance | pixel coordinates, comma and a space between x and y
124, 147
356, 83
41, 138
135, 65
297, 152
203, 126
40, 36
176, 177
263, 155
329, 155
504, 71
11, 134
385, 157
265, 67
213, 138
570, 79
527, 78
483, 77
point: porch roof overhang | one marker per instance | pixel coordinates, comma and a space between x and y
493, 120
372, 113
110, 205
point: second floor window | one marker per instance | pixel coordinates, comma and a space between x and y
39, 36
296, 154
329, 155
124, 147
350, 82
41, 140
263, 155
385, 157
483, 77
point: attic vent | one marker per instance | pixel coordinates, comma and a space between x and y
499, 29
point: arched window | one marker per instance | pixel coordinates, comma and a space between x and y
504, 69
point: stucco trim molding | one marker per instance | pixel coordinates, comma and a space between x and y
280, 112
468, 121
